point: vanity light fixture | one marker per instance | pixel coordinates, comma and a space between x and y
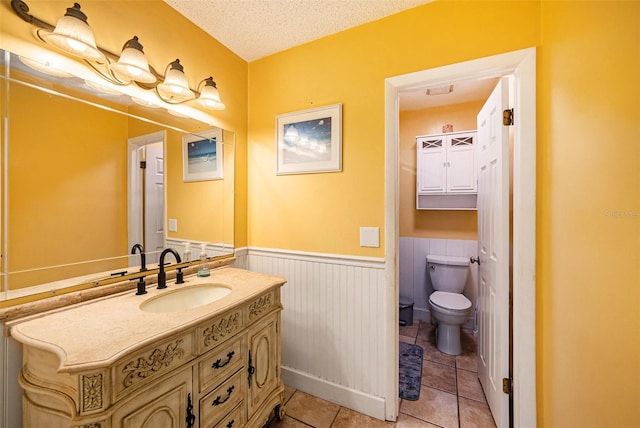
209, 95
133, 65
175, 88
73, 36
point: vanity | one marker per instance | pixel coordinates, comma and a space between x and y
205, 353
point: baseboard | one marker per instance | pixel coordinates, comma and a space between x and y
350, 398
423, 314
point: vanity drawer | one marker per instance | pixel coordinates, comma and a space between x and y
132, 372
215, 405
263, 305
221, 363
217, 331
235, 419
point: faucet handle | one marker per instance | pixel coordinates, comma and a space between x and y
141, 287
179, 276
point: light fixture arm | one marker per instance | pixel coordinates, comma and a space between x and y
22, 10
102, 66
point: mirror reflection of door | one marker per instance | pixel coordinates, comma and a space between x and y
146, 201
153, 206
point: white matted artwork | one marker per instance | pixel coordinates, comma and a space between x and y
202, 156
310, 141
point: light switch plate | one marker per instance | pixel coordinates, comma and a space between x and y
173, 225
370, 237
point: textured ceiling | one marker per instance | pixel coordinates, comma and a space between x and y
256, 28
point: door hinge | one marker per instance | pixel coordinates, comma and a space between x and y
143, 164
507, 117
507, 385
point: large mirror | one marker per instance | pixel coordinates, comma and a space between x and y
87, 174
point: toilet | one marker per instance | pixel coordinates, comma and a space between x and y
449, 307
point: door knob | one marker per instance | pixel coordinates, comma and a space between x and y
475, 260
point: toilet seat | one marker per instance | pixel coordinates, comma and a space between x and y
450, 301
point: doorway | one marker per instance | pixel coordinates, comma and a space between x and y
520, 64
146, 201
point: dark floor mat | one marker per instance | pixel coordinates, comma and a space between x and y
410, 371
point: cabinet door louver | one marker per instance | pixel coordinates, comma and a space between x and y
429, 144
462, 141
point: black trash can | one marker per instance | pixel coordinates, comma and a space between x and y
406, 311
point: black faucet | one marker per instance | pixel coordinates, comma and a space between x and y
162, 277
143, 257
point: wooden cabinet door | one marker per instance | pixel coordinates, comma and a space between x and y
163, 406
263, 360
431, 171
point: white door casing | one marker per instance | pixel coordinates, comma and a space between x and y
522, 65
493, 248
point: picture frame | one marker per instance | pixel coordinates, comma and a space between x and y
309, 141
202, 156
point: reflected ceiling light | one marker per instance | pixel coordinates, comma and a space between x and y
73, 35
101, 88
147, 103
46, 66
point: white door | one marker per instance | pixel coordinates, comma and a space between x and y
493, 246
145, 195
154, 202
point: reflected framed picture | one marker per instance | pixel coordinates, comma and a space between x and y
202, 156
309, 141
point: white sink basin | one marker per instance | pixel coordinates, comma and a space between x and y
185, 298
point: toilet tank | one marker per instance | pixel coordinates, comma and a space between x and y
448, 273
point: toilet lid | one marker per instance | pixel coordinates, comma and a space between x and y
450, 300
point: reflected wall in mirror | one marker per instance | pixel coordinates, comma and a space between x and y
75, 196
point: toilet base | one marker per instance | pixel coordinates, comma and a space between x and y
448, 339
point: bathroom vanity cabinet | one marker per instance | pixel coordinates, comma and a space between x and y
446, 168
217, 365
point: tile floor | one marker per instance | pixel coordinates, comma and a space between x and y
450, 397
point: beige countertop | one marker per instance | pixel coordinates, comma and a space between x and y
96, 333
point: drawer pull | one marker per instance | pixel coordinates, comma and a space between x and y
219, 364
191, 418
231, 422
218, 401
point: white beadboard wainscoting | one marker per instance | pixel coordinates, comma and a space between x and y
415, 283
332, 325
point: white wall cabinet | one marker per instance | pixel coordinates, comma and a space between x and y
446, 174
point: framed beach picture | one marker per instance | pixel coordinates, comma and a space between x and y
309, 141
202, 156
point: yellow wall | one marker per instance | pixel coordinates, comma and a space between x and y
588, 241
323, 212
47, 227
588, 233
200, 54
431, 223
